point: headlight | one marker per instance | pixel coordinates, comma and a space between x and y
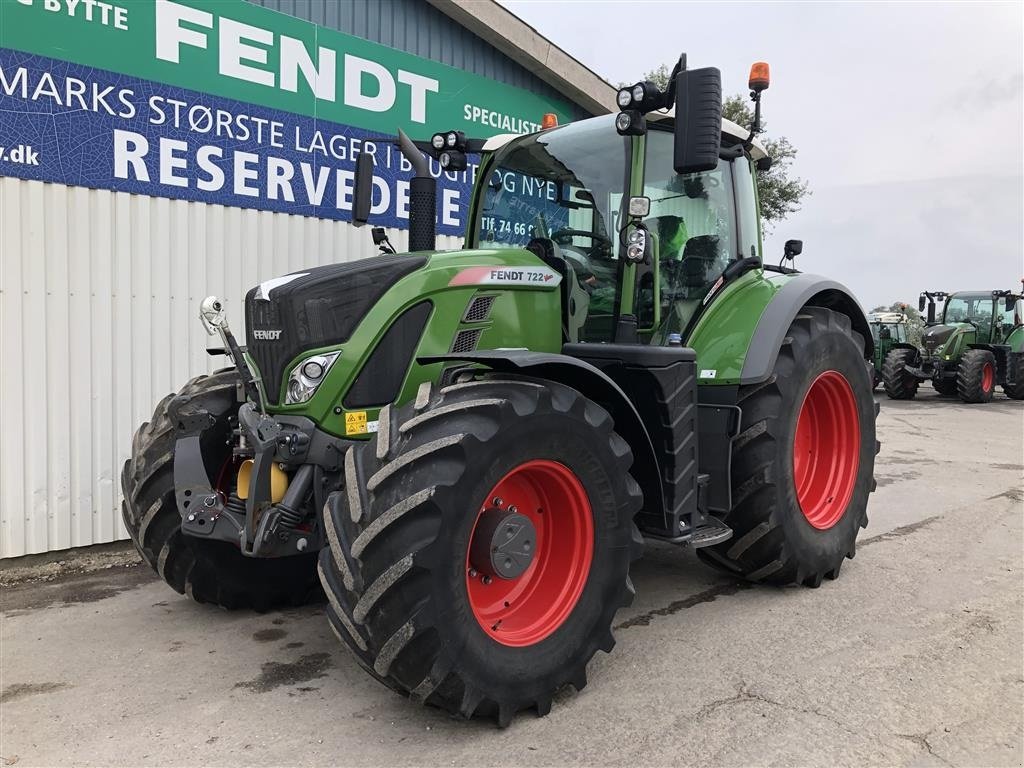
452, 139
638, 93
623, 98
623, 122
437, 141
307, 376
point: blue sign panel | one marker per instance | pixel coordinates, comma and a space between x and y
70, 124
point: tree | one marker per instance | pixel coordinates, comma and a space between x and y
915, 322
779, 193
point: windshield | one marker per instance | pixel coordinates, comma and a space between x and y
692, 216
566, 185
975, 309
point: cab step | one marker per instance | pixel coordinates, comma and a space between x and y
712, 532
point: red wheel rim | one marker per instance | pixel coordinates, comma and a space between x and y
525, 610
988, 376
826, 450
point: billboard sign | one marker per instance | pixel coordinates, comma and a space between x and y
222, 101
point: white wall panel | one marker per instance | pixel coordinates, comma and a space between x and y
99, 302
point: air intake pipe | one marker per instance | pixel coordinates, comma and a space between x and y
422, 197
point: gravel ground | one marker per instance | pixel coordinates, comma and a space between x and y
913, 657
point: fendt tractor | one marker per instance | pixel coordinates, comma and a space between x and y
887, 329
470, 447
978, 346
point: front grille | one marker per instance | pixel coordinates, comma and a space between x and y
479, 309
466, 341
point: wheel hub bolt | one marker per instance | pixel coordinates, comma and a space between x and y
486, 580
497, 501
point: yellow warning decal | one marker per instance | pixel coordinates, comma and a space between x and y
355, 423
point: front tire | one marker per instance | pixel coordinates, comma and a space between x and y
207, 571
402, 570
976, 376
803, 462
899, 385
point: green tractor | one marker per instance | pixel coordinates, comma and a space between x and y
978, 346
887, 330
467, 449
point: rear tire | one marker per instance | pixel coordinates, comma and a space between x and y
789, 521
207, 571
1014, 385
976, 376
396, 570
899, 385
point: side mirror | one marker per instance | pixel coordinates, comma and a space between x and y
362, 192
698, 132
793, 248
1011, 303
764, 164
920, 303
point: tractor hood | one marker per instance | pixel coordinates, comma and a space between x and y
319, 307
372, 318
935, 336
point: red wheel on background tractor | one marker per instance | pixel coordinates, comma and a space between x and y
976, 376
803, 462
481, 547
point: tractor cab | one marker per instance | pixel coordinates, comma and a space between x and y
575, 195
888, 329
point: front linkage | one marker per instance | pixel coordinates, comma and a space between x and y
261, 525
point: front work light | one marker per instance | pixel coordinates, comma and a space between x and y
453, 160
624, 98
630, 123
437, 141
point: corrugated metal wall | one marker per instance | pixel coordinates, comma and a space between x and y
99, 301
417, 27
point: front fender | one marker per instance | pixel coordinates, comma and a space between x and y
593, 384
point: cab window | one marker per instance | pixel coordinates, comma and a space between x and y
692, 217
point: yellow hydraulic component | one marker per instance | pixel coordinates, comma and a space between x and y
278, 481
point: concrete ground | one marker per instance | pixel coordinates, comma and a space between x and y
913, 657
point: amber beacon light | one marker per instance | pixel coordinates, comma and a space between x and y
759, 78
550, 120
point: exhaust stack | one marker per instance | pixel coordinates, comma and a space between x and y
422, 198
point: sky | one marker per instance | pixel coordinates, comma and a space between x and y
907, 118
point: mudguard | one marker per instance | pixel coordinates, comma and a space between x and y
800, 291
594, 384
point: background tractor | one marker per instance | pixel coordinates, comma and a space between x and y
978, 346
470, 447
887, 329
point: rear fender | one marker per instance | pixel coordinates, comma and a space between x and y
803, 290
593, 384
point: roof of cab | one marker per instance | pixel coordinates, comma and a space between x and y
729, 128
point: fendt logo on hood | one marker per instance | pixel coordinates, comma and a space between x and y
266, 335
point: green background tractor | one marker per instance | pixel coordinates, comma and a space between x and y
467, 449
977, 346
887, 330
